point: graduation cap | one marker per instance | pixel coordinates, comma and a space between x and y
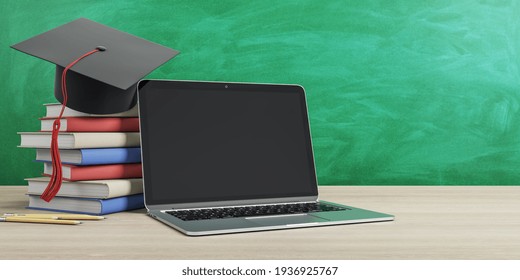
105, 82
99, 66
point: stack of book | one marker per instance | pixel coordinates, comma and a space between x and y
101, 162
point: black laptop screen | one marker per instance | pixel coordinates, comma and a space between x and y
216, 142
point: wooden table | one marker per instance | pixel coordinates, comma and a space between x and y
431, 223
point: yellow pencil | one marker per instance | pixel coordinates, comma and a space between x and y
79, 217
38, 221
56, 216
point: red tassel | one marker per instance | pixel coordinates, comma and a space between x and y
57, 176
55, 182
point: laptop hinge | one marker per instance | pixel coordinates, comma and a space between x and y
250, 202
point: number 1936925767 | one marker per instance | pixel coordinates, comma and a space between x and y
306, 270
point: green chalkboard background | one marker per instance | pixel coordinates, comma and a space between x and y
400, 92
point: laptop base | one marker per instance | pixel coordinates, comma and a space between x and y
274, 222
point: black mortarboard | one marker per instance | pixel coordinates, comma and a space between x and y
102, 83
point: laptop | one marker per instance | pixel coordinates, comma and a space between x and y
232, 157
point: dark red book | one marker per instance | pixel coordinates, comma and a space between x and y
97, 172
81, 124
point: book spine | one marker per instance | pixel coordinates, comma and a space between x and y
104, 172
110, 156
125, 188
101, 124
123, 203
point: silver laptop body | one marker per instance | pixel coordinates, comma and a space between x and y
215, 146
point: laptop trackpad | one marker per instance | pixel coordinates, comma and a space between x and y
286, 220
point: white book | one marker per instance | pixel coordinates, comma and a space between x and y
101, 189
53, 111
80, 140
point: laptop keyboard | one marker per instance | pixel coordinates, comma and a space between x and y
251, 211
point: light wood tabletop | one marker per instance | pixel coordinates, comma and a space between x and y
431, 223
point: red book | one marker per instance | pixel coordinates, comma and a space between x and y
97, 172
81, 124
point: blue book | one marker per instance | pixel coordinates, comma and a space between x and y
93, 156
88, 205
